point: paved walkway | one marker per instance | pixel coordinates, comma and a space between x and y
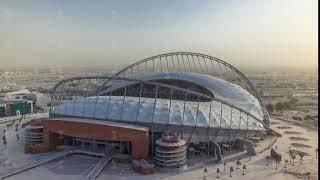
91, 175
98, 168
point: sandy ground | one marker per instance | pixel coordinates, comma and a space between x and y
256, 167
76, 167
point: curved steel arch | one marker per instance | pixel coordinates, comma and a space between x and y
64, 81
250, 85
77, 78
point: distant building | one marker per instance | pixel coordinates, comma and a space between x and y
17, 103
3, 110
17, 94
18, 107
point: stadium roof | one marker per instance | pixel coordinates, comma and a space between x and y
126, 110
221, 89
172, 112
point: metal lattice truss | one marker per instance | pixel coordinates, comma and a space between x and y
190, 62
197, 116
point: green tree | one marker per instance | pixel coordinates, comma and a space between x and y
4, 140
286, 165
277, 161
205, 171
218, 172
293, 158
10, 124
308, 174
238, 163
279, 106
270, 108
267, 158
231, 170
291, 152
18, 137
308, 117
302, 154
293, 101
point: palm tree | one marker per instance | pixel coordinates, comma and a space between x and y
308, 174
291, 154
17, 135
302, 154
285, 164
4, 140
205, 171
9, 125
267, 158
224, 166
277, 160
244, 167
238, 163
218, 171
293, 158
231, 170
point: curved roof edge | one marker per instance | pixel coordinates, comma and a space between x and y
221, 89
251, 86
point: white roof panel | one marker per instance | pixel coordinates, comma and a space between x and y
126, 109
229, 92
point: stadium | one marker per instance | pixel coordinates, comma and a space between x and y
165, 108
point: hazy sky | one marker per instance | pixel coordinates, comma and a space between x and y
101, 33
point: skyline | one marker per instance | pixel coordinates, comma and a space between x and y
104, 33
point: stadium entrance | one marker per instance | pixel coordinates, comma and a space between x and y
98, 146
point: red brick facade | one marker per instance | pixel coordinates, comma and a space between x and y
138, 138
